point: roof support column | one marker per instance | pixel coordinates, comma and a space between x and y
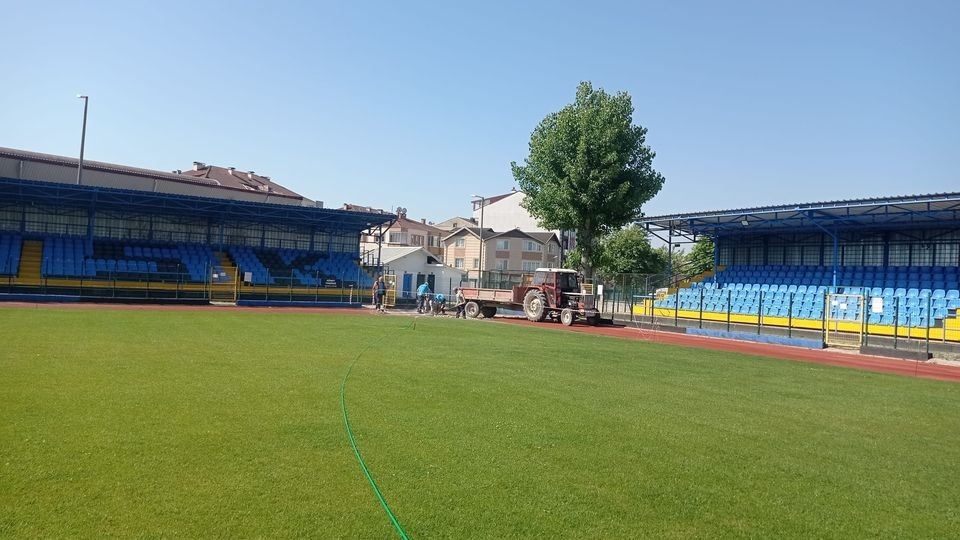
716, 258
91, 218
670, 255
836, 251
836, 260
886, 250
380, 247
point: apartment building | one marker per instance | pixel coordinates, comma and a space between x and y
505, 212
512, 251
408, 232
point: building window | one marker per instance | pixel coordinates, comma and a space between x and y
416, 239
503, 264
503, 245
460, 242
433, 241
551, 248
530, 245
529, 266
476, 262
458, 262
398, 238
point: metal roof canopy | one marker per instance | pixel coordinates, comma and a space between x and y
90, 197
906, 212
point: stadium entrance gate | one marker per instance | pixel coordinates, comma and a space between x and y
844, 320
224, 288
391, 282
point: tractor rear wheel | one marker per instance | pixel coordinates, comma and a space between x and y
488, 311
566, 316
472, 309
535, 305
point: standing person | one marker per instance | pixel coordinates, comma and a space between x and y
423, 292
379, 293
461, 304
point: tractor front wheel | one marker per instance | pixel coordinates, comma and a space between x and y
566, 316
535, 305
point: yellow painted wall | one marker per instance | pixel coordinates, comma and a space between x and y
950, 332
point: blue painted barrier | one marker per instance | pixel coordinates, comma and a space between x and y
282, 304
38, 298
747, 336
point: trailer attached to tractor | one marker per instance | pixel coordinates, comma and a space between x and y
554, 293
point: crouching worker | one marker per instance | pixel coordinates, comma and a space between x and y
439, 304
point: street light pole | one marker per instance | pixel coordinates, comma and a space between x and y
480, 271
83, 137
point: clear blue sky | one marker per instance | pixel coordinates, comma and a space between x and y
423, 104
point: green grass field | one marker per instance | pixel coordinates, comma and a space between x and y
229, 424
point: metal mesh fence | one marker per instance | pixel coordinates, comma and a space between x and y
900, 322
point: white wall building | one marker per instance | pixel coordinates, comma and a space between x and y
504, 213
413, 265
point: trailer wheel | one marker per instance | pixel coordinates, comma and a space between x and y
566, 316
472, 309
488, 312
535, 305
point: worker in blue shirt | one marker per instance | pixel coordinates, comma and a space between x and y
423, 293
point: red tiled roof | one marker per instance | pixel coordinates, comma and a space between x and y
232, 178
205, 175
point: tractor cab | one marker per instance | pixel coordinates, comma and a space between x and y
563, 288
562, 279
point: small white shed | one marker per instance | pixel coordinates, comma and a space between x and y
413, 265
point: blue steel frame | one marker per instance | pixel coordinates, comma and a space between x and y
936, 211
911, 212
217, 211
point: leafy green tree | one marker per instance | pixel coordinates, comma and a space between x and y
589, 169
690, 263
700, 258
573, 258
664, 252
628, 251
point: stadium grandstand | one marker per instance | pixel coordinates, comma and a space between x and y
209, 234
849, 269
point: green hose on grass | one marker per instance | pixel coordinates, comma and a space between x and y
356, 451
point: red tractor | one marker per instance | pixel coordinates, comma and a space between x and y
554, 293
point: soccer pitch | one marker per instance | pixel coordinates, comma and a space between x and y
230, 424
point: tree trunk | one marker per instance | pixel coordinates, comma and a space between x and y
586, 254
